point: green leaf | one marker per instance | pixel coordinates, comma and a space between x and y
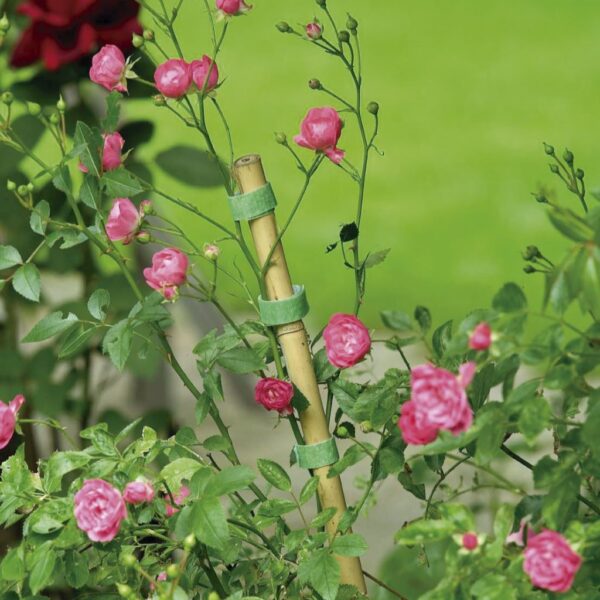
59, 464
322, 572
41, 573
179, 470
398, 321
9, 257
120, 183
491, 433
91, 148
534, 418
275, 507
324, 370
39, 217
209, 522
423, 318
76, 569
591, 285
353, 455
89, 192
323, 517
441, 338
458, 514
111, 119
241, 360
194, 167
98, 303
62, 180
76, 340
229, 480
493, 587
26, 281
308, 490
375, 258
49, 326
274, 474
12, 567
509, 299
351, 544
425, 530
569, 224
117, 343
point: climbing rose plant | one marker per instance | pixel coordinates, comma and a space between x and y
126, 512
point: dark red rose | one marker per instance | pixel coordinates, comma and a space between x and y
63, 31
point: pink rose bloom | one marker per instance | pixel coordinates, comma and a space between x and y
179, 499
137, 492
275, 394
410, 432
233, 7
123, 221
173, 78
320, 131
347, 340
8, 419
108, 68
205, 74
470, 541
168, 272
111, 152
481, 337
313, 30
99, 510
550, 562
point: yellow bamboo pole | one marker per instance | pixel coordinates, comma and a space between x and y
249, 174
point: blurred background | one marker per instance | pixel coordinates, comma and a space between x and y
467, 92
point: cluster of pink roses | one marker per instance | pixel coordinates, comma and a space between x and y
175, 77
8, 419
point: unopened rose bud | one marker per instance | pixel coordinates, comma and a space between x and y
4, 24
579, 174
61, 105
146, 208
351, 24
541, 198
531, 252
342, 432
214, 596
322, 3
128, 560
7, 98
22, 190
54, 119
159, 100
137, 41
172, 571
189, 542
11, 186
553, 168
211, 251
344, 36
313, 30
314, 84
548, 149
124, 590
366, 427
529, 269
284, 27
34, 108
373, 108
143, 237
148, 35
281, 138
568, 156
30, 187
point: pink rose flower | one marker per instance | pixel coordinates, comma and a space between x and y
8, 419
470, 541
123, 221
108, 68
232, 7
179, 499
173, 78
99, 510
550, 562
313, 30
137, 492
438, 402
481, 337
111, 152
347, 340
275, 394
205, 74
320, 131
168, 272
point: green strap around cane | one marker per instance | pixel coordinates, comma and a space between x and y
287, 310
251, 205
313, 456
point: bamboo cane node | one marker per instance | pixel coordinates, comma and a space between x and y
313, 456
286, 310
290, 328
254, 204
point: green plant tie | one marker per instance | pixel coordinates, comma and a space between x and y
251, 205
313, 456
287, 310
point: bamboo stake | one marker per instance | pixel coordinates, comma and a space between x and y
249, 173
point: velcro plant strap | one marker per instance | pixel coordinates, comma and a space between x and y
317, 455
249, 206
287, 310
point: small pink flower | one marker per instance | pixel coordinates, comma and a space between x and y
313, 30
275, 394
205, 74
517, 536
410, 432
108, 68
550, 562
232, 7
179, 499
111, 154
211, 251
123, 221
168, 272
481, 337
99, 510
320, 131
137, 492
173, 78
162, 576
8, 419
470, 541
347, 340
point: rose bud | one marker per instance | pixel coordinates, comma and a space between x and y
211, 251
470, 541
111, 155
232, 7
347, 340
173, 78
205, 74
313, 30
8, 419
275, 394
179, 499
168, 272
481, 337
108, 68
99, 510
137, 492
123, 221
550, 561
320, 131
